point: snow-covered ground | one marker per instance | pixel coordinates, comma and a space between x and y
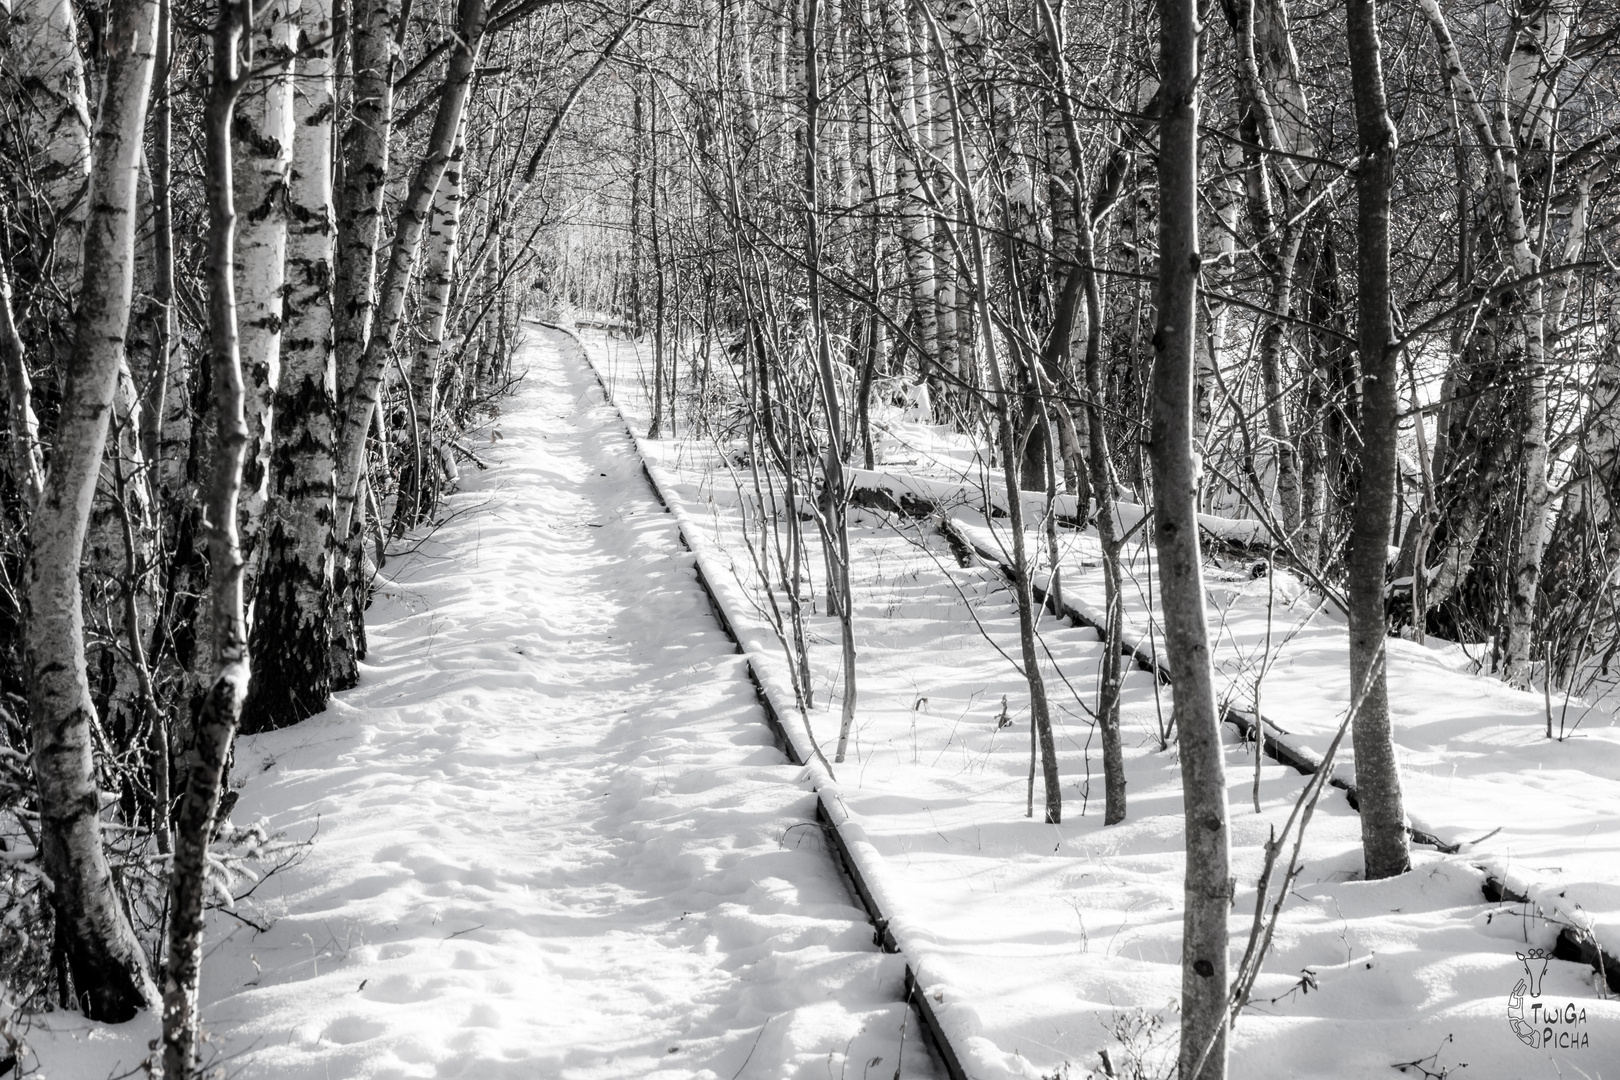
548, 835
1044, 945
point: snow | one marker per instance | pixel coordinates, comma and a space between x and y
1045, 945
548, 835
1474, 749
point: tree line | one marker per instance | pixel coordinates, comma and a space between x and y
262, 267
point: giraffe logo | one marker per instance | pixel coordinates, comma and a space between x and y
1542, 1024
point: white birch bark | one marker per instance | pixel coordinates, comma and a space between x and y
359, 210
292, 635
365, 172
1532, 82
261, 149
106, 962
54, 117
228, 660
1497, 134
433, 303
1533, 66
934, 142
22, 426
916, 230
360, 397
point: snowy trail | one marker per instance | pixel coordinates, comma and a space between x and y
550, 820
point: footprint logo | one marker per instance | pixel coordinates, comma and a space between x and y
1527, 1034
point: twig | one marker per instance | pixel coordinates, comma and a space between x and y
751, 1049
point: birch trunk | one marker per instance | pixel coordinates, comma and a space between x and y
292, 635
871, 191
54, 120
1510, 338
418, 499
359, 209
22, 426
222, 700
119, 545
916, 229
261, 150
360, 396
364, 176
106, 963
934, 144
1002, 400
834, 520
1532, 84
1207, 893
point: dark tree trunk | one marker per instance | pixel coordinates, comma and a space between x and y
1378, 781
1208, 890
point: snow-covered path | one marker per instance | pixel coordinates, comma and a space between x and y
554, 839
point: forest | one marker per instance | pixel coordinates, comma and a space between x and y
1156, 463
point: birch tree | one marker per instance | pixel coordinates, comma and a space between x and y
1506, 338
22, 426
372, 26
52, 116
418, 493
261, 138
360, 395
216, 722
292, 631
916, 231
106, 963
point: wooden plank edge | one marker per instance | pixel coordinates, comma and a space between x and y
914, 994
1277, 749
